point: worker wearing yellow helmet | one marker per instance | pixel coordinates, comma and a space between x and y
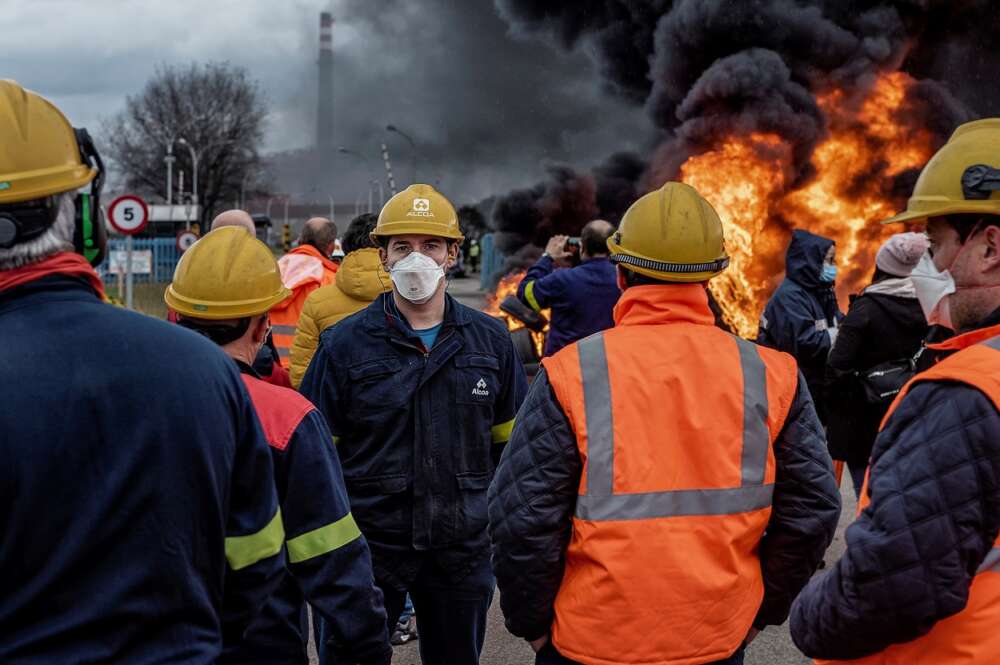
133, 484
666, 490
223, 287
920, 580
420, 392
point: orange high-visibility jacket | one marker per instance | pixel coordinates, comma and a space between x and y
303, 270
971, 637
675, 426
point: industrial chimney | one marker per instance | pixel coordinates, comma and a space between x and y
324, 105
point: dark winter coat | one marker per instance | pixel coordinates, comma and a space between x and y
582, 299
139, 519
418, 430
884, 323
933, 517
799, 315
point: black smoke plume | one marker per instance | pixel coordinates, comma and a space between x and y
705, 69
525, 219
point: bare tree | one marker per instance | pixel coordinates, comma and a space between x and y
214, 107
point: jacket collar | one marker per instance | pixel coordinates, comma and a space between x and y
381, 316
670, 303
990, 329
63, 263
309, 250
246, 369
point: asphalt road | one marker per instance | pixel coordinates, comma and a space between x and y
773, 647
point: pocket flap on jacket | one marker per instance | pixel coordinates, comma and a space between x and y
394, 484
373, 368
488, 362
479, 480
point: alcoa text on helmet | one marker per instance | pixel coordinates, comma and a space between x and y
418, 209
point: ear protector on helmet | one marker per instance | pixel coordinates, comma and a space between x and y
90, 236
21, 222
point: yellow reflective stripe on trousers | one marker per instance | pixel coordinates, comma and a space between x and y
335, 439
501, 432
323, 540
243, 551
529, 295
602, 503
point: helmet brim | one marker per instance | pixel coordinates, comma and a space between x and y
214, 311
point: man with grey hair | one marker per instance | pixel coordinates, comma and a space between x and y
132, 486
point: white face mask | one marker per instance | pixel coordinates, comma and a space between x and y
416, 277
933, 287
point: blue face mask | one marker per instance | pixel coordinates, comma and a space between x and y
829, 273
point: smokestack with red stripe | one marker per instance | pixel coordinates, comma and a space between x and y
324, 107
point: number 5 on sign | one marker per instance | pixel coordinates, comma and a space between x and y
128, 214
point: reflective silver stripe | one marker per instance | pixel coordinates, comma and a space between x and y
678, 503
756, 436
284, 352
993, 343
600, 425
991, 563
283, 330
601, 503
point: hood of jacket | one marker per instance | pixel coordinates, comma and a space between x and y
804, 259
361, 275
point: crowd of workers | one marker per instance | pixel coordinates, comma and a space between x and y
662, 493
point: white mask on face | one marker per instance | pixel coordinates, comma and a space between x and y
416, 277
933, 287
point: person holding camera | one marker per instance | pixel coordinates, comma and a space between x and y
583, 297
882, 333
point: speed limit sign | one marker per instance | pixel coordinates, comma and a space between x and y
128, 214
185, 238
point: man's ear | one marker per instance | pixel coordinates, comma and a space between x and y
452, 259
620, 278
383, 256
991, 259
260, 328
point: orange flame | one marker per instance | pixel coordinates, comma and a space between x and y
508, 287
746, 178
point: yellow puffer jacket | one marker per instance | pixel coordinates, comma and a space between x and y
358, 282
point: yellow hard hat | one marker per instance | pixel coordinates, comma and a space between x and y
418, 209
672, 234
963, 177
39, 154
228, 274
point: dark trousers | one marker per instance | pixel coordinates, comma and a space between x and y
549, 656
857, 477
451, 616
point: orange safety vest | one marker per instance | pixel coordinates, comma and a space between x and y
971, 637
303, 270
675, 422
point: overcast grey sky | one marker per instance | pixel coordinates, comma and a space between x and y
487, 109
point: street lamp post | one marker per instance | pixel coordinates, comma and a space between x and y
413, 147
194, 165
170, 159
194, 169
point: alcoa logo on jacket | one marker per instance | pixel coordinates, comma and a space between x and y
481, 389
421, 208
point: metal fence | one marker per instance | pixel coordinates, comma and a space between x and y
165, 257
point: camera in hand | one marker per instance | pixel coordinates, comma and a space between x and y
572, 246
